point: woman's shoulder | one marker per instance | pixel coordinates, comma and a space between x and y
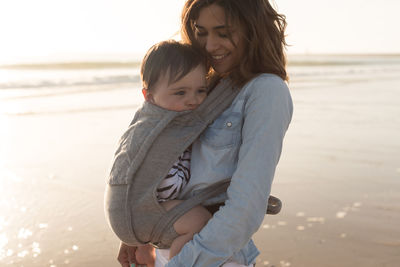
266, 84
266, 80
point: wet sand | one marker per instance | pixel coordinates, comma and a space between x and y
338, 178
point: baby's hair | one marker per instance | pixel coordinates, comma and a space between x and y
172, 57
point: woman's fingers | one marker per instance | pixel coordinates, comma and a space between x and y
123, 259
131, 254
145, 256
126, 255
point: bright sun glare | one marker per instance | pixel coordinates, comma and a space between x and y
47, 29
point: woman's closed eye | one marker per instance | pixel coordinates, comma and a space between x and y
223, 35
201, 33
204, 34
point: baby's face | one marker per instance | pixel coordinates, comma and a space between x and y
185, 94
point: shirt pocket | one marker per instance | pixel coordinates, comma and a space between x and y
224, 132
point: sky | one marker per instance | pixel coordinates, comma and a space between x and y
42, 30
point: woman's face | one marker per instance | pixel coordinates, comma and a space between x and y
212, 33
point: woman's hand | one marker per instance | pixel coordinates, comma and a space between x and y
143, 255
126, 255
146, 255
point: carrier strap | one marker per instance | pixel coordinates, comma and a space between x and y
169, 218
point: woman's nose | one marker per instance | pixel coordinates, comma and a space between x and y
211, 44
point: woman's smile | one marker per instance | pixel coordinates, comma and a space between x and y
219, 59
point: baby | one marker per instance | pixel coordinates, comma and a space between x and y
174, 78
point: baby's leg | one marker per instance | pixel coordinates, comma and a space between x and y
187, 225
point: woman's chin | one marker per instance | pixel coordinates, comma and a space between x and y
221, 70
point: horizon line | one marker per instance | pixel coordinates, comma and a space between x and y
131, 63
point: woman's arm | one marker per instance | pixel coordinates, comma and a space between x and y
267, 114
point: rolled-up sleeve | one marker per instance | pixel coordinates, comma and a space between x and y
267, 111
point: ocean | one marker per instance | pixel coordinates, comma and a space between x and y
53, 80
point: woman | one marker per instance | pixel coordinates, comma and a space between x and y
244, 41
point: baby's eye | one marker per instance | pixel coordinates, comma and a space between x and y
179, 93
203, 91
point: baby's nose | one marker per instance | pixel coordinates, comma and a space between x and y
193, 102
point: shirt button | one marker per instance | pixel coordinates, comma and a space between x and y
229, 124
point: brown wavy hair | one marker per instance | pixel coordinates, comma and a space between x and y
263, 33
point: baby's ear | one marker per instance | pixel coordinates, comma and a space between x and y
144, 92
147, 95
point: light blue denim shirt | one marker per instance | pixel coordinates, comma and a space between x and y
244, 143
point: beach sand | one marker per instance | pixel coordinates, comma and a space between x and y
338, 178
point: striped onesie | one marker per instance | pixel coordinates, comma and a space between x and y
177, 178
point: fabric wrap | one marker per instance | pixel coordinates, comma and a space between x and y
145, 154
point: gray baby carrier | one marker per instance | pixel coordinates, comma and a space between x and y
146, 152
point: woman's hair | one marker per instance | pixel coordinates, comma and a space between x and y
263, 31
172, 57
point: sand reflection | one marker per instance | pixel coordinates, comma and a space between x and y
7, 205
17, 233
35, 227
